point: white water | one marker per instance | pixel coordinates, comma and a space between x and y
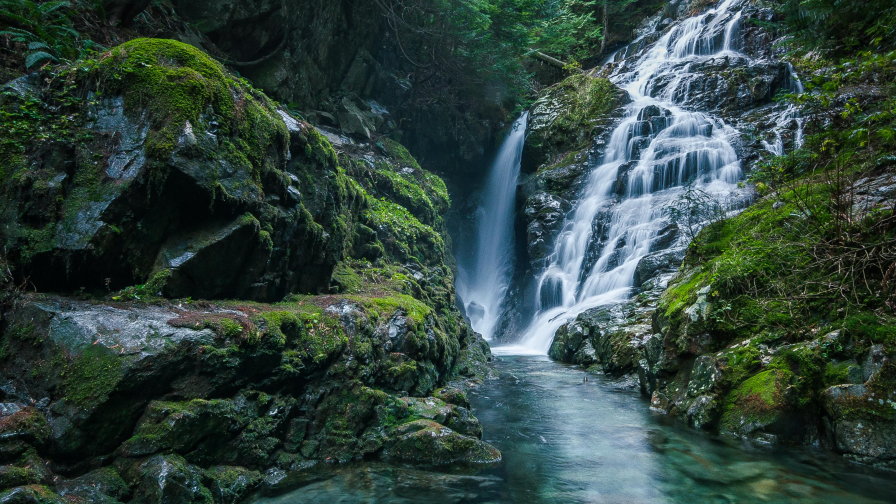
662, 154
482, 283
786, 118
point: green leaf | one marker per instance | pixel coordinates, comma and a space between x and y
38, 57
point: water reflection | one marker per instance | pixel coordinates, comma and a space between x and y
565, 440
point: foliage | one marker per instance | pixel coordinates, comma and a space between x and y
45, 30
841, 27
694, 209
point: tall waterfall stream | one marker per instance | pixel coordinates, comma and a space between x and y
483, 281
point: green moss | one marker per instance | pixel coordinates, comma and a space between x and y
90, 377
173, 81
346, 279
398, 152
12, 476
307, 337
417, 311
408, 237
176, 83
28, 423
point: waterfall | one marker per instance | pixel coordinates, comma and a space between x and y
785, 119
657, 148
483, 281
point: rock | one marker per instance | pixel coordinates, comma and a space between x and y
704, 375
862, 422
152, 205
657, 263
702, 412
169, 479
875, 360
352, 120
567, 341
31, 494
230, 485
103, 485
457, 418
453, 395
759, 406
425, 441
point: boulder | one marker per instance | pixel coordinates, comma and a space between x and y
425, 441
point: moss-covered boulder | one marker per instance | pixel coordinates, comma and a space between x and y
162, 162
567, 116
428, 442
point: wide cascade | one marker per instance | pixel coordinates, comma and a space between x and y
656, 150
483, 277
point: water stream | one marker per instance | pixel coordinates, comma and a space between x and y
483, 278
565, 440
655, 150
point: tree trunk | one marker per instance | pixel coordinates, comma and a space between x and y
606, 31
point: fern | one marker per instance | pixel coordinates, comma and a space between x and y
50, 7
38, 45
37, 57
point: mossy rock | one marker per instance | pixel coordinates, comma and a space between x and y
428, 442
567, 116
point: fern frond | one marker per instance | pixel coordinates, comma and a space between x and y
38, 57
51, 7
37, 45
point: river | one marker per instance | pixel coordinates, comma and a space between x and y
571, 441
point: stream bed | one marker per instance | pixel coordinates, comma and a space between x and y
567, 440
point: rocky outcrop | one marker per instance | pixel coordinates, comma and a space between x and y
209, 190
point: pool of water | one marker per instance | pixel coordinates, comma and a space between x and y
567, 440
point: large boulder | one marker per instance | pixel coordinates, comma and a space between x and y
207, 184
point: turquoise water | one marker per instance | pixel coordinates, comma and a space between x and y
565, 440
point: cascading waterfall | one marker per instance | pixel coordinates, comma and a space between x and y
656, 149
483, 282
786, 118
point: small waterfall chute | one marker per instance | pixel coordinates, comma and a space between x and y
483, 279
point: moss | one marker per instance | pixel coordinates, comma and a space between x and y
407, 237
90, 377
398, 152
12, 476
175, 83
37, 494
757, 402
28, 423
346, 279
416, 311
307, 337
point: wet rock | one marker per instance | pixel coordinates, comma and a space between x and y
544, 212
704, 375
657, 263
702, 412
453, 395
169, 479
425, 441
862, 422
457, 418
31, 494
231, 484
103, 486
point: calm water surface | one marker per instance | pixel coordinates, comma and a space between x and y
564, 440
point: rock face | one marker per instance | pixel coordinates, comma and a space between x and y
113, 393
